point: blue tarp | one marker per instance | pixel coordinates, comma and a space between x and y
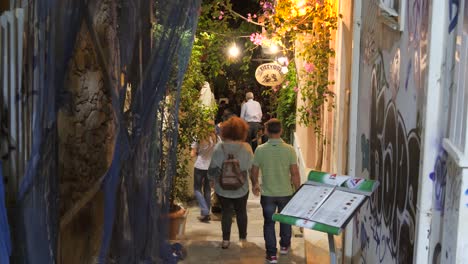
5, 243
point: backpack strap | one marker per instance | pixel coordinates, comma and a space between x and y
230, 155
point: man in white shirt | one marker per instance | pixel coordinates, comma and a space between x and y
251, 112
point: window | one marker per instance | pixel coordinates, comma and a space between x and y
456, 144
392, 13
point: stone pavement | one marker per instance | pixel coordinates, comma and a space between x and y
203, 240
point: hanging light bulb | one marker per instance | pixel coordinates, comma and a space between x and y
274, 49
233, 51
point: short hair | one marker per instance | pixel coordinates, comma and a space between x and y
227, 113
273, 126
234, 129
249, 95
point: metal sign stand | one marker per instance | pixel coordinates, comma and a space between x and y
360, 187
331, 246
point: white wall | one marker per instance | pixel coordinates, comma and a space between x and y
392, 85
408, 80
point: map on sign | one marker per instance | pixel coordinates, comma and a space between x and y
326, 202
323, 204
305, 204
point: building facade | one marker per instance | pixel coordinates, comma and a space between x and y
401, 118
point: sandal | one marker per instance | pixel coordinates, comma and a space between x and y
242, 243
225, 244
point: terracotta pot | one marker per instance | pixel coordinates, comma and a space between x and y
177, 221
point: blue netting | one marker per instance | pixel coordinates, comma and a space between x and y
36, 240
5, 243
153, 59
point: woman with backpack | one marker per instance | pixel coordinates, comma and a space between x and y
229, 172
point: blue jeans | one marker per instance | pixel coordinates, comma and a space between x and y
269, 206
203, 196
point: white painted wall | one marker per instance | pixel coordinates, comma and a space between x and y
393, 70
434, 116
408, 81
404, 81
353, 116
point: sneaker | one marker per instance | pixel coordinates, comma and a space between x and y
225, 244
272, 259
284, 250
204, 218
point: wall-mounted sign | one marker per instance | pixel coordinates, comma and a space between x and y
269, 74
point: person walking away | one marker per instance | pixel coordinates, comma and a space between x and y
233, 134
203, 150
251, 112
280, 178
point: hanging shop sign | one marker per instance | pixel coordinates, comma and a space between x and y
269, 74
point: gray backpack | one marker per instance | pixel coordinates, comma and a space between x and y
232, 178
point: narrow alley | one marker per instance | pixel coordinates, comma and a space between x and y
114, 112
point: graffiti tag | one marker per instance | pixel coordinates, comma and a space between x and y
454, 6
394, 162
365, 152
466, 197
439, 177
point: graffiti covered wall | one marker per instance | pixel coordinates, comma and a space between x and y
393, 76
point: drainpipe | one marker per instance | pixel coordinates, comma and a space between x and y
353, 119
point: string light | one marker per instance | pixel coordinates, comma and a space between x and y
234, 51
274, 48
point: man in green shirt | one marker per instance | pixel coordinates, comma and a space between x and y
280, 178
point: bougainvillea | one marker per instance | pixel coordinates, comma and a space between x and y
310, 23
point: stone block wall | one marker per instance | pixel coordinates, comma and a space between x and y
86, 134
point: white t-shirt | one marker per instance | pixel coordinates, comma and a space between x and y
251, 111
204, 153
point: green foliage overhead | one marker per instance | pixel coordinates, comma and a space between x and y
311, 25
217, 30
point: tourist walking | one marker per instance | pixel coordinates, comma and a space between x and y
251, 112
277, 162
233, 134
203, 150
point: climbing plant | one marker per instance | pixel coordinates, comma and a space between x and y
217, 30
286, 102
310, 24
283, 101
194, 120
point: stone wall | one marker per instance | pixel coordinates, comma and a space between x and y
86, 132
